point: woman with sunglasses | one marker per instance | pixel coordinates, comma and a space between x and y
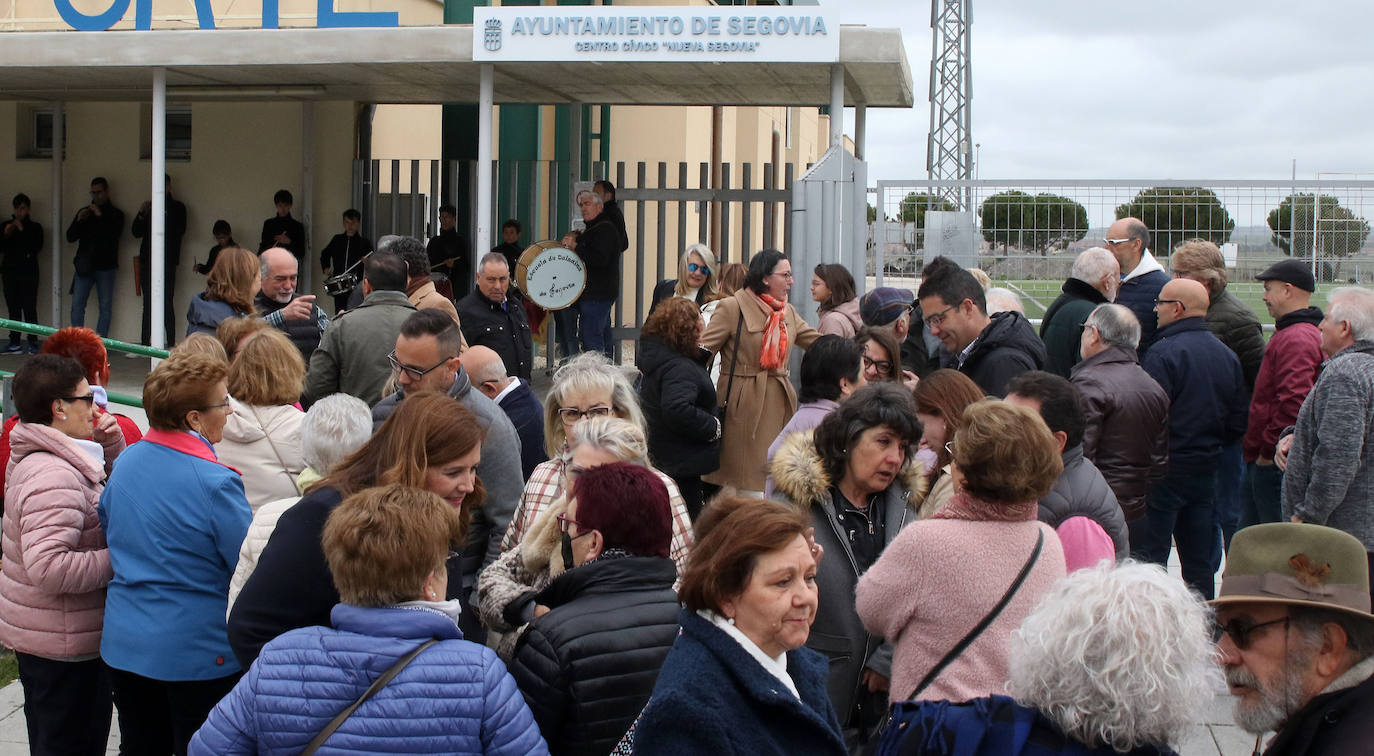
174, 517
698, 278
56, 565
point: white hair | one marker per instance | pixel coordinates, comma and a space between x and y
589, 371
621, 438
1003, 300
1093, 265
1116, 655
335, 427
1353, 305
1116, 324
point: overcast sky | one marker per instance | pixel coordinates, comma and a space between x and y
1220, 89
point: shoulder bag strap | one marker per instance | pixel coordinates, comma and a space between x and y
280, 460
734, 360
378, 684
978, 629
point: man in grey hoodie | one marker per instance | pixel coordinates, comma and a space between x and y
1329, 457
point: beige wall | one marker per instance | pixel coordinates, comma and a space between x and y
41, 15
241, 154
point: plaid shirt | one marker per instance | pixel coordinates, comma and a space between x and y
545, 486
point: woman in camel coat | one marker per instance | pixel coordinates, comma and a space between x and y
762, 398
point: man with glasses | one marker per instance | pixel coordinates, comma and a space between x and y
426, 359
514, 396
989, 349
1093, 280
348, 359
277, 302
1208, 404
1142, 276
1295, 637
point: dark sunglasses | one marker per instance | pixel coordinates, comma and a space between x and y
89, 399
694, 268
1240, 632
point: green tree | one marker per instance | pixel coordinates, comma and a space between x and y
1177, 213
1015, 218
1340, 233
872, 213
913, 207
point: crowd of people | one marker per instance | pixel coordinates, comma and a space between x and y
367, 532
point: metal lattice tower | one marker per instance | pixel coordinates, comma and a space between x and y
949, 153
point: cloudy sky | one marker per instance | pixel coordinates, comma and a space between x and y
1221, 89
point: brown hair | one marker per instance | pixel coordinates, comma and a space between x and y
1201, 259
839, 281
231, 280
180, 384
427, 429
883, 337
202, 343
675, 322
232, 331
732, 277
382, 543
731, 534
945, 393
1006, 453
268, 372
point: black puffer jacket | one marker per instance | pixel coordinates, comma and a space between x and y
679, 406
587, 667
1007, 348
1236, 325
1081, 491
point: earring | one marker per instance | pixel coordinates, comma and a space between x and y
730, 620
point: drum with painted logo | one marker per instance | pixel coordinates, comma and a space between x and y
551, 275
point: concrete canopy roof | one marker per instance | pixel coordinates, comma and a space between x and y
417, 64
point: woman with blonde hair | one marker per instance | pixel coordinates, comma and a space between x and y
506, 589
698, 278
262, 439
229, 291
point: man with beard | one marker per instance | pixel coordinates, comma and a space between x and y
277, 302
1295, 638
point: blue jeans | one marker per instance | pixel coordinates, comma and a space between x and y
1261, 495
1230, 477
103, 281
596, 326
565, 325
1182, 506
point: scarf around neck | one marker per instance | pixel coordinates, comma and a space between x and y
774, 351
965, 507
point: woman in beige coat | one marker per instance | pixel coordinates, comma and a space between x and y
762, 398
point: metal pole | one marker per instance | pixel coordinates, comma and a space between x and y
482, 223
307, 190
836, 104
1316, 224
58, 147
157, 241
860, 130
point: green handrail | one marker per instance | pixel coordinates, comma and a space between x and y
110, 345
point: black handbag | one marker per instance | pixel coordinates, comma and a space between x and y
730, 385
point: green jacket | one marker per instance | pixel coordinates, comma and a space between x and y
1063, 324
351, 357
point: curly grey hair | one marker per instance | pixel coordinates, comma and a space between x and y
1120, 656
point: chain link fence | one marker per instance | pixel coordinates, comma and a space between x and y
1026, 234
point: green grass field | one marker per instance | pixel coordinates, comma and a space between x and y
1037, 295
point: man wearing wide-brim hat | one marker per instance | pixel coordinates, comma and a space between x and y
1296, 637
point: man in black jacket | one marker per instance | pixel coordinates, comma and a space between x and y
21, 238
281, 230
603, 627
990, 350
343, 252
174, 228
515, 398
95, 230
1297, 636
606, 191
493, 318
450, 256
599, 246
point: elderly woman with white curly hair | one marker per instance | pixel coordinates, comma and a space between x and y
1113, 660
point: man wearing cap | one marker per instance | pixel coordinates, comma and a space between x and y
1295, 638
888, 309
1330, 462
1092, 281
1291, 362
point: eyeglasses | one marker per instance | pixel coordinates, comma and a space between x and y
1159, 302
1086, 326
935, 319
222, 405
1118, 241
89, 399
883, 367
787, 274
565, 524
409, 370
702, 269
1241, 632
570, 415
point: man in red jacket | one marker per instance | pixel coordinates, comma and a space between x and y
1291, 361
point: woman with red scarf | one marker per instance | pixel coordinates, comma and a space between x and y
752, 331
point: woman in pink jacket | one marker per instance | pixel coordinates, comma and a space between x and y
55, 564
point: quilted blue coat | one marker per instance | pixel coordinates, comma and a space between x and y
454, 698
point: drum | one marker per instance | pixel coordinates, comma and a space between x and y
340, 284
551, 275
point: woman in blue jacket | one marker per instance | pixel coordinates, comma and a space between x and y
386, 549
174, 518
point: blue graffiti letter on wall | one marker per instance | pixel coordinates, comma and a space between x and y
99, 22
332, 19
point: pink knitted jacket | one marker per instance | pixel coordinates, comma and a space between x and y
936, 581
55, 564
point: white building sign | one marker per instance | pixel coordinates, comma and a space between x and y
655, 34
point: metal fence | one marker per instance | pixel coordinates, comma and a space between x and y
1027, 233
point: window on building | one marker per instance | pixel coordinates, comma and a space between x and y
178, 133
33, 132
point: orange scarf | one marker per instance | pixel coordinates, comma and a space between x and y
774, 353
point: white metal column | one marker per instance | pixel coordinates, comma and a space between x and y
56, 229
482, 223
307, 266
860, 130
158, 239
836, 105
